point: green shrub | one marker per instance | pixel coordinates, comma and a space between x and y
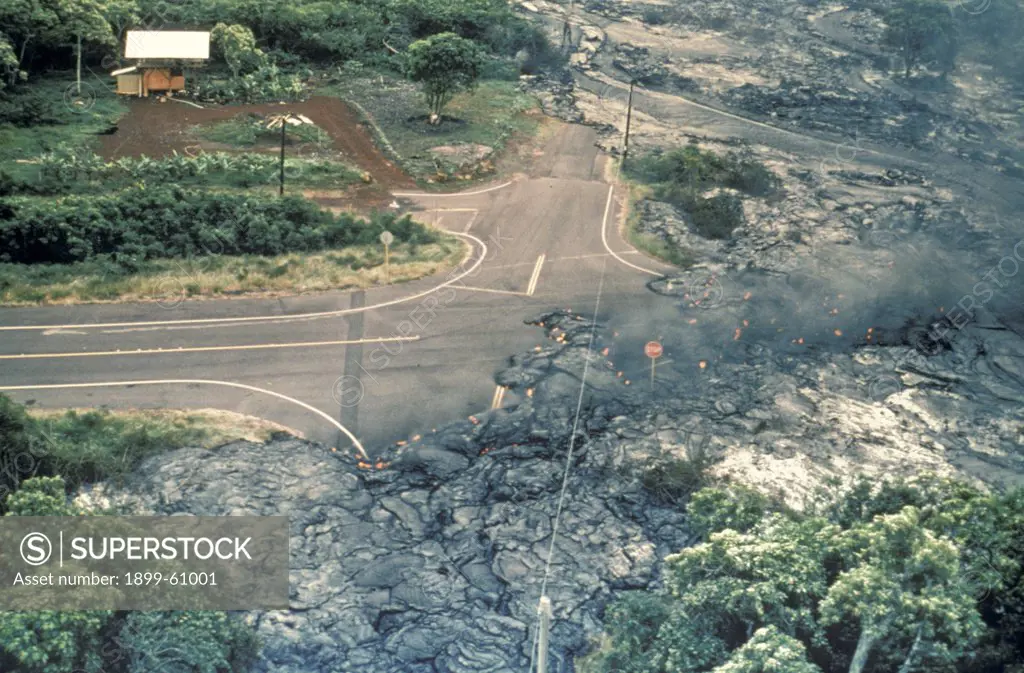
718, 216
27, 108
130, 227
680, 177
735, 507
672, 479
210, 641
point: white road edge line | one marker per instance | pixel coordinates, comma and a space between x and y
535, 277
604, 237
479, 191
110, 384
202, 349
261, 318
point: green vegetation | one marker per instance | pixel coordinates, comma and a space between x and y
46, 641
925, 574
131, 227
491, 115
170, 281
37, 36
335, 32
37, 120
82, 448
684, 176
170, 243
69, 170
41, 460
248, 130
443, 64
921, 32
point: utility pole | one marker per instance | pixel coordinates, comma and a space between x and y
544, 610
567, 26
629, 116
78, 66
283, 125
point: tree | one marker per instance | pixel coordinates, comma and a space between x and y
121, 15
921, 31
9, 63
900, 576
444, 64
51, 24
238, 47
769, 651
896, 589
187, 642
24, 21
48, 641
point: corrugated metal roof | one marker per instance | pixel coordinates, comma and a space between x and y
168, 44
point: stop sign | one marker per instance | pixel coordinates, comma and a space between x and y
653, 349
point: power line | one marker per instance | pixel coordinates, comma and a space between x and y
545, 604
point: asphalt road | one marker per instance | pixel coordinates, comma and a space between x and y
386, 363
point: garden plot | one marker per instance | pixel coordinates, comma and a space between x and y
154, 129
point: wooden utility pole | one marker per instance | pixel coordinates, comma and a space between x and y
629, 117
567, 26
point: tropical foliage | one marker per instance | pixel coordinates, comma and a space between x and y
169, 222
48, 641
250, 37
906, 575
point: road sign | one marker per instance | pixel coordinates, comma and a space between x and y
653, 349
387, 238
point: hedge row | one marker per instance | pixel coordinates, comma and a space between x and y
170, 222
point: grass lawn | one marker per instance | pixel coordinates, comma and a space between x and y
492, 114
77, 126
171, 281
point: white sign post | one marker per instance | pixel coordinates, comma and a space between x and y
387, 238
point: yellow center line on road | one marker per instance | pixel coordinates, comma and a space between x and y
487, 289
499, 397
203, 349
532, 287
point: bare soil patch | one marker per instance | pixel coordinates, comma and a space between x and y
157, 129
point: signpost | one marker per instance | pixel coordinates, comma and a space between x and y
653, 350
283, 120
387, 238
